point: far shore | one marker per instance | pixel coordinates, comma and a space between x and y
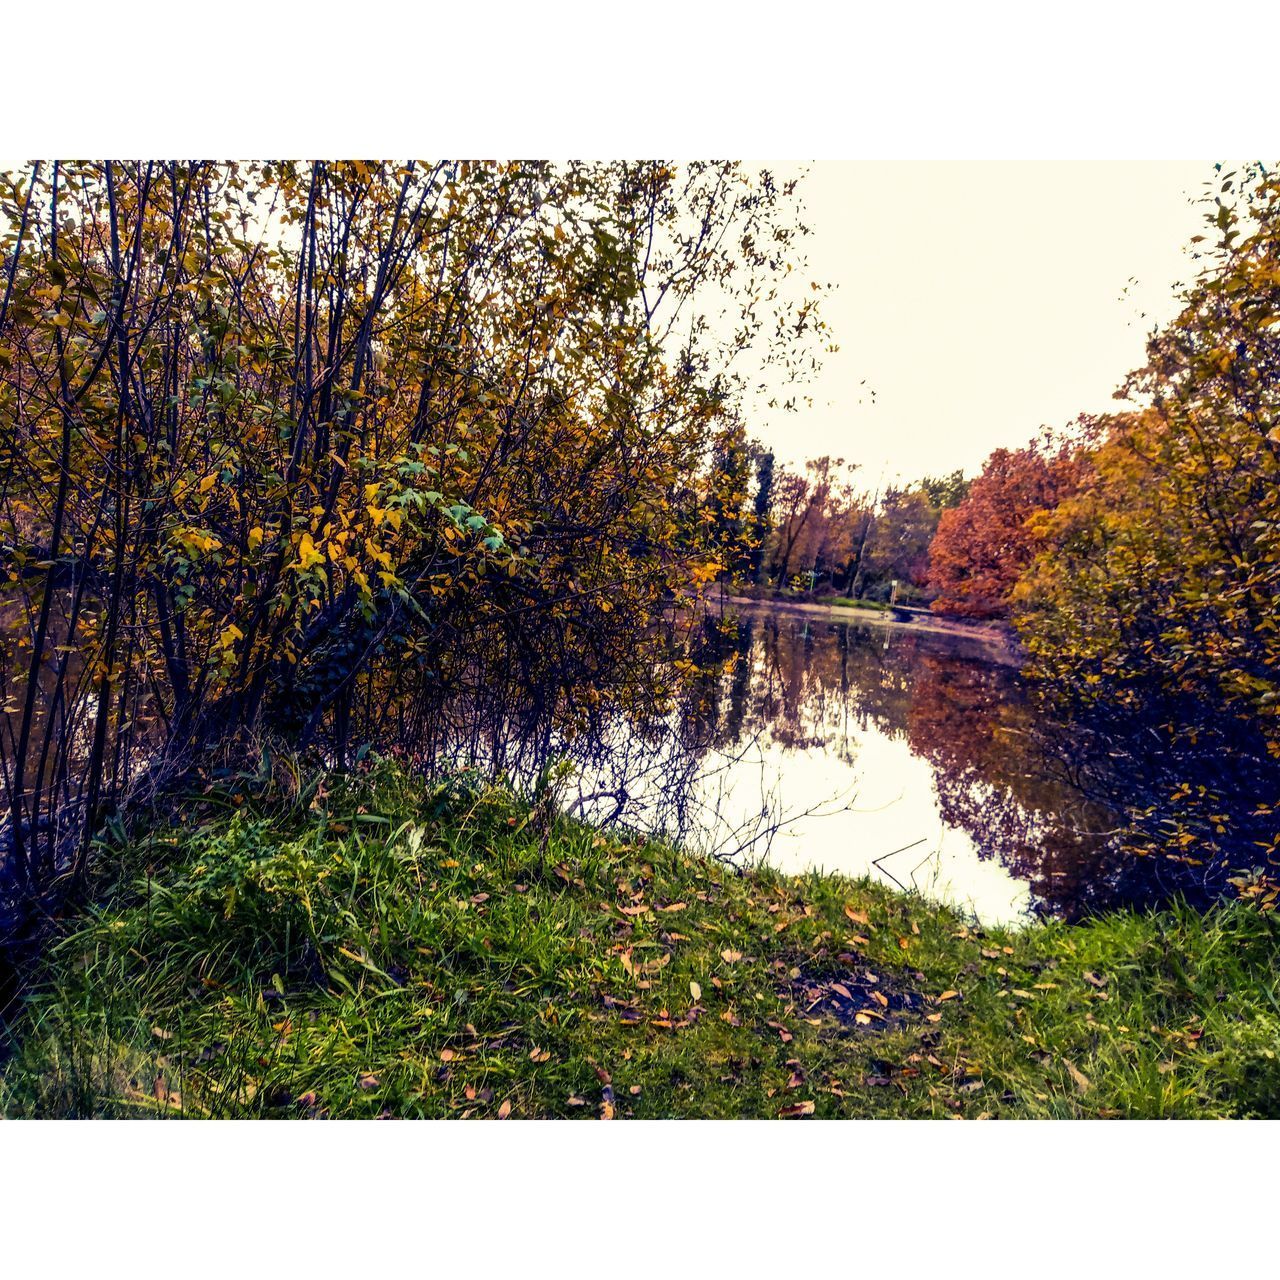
998, 637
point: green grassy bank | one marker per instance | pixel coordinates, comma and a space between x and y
375, 947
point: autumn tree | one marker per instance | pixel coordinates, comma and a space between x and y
301, 449
986, 541
808, 518
1153, 598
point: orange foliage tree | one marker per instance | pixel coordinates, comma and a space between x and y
984, 543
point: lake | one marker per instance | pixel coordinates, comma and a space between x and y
866, 749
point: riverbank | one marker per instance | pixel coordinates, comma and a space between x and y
1000, 639
372, 947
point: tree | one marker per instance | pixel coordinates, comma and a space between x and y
808, 519
985, 542
945, 491
294, 450
762, 506
898, 547
1151, 607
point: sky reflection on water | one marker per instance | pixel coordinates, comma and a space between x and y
864, 750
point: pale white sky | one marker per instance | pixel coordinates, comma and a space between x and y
981, 300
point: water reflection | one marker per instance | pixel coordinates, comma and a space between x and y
868, 749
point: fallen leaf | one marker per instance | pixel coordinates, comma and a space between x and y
948, 995
369, 1081
1093, 980
858, 917
730, 957
796, 1110
695, 991
505, 1110
1081, 1080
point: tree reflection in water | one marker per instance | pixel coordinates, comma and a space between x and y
833, 745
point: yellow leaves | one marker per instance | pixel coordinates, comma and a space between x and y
377, 554
207, 483
255, 538
308, 554
197, 542
229, 636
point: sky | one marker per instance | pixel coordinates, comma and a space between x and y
980, 301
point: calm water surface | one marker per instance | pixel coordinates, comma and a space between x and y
867, 749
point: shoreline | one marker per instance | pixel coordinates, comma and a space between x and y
998, 637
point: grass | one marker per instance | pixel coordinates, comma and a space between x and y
848, 602
379, 947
